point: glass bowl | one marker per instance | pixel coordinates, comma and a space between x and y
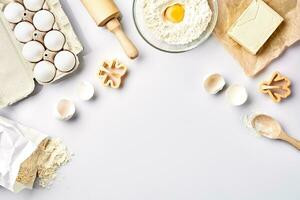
170, 48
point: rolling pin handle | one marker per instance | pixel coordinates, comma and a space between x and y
115, 27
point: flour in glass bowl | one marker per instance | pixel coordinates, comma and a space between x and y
197, 16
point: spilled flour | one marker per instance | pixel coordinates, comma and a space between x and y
44, 163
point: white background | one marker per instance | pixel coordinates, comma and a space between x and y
162, 137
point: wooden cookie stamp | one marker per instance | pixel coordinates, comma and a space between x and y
278, 87
112, 73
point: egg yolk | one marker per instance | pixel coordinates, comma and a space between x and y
175, 13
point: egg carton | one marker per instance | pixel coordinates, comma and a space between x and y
16, 73
47, 39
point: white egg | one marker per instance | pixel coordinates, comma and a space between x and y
44, 71
24, 31
64, 61
54, 40
33, 5
14, 12
33, 51
43, 20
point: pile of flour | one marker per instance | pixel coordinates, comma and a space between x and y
44, 163
197, 17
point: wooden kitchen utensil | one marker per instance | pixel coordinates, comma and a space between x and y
278, 87
106, 13
270, 128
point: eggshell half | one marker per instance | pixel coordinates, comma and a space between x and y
64, 61
24, 31
14, 12
54, 40
33, 51
86, 91
214, 83
33, 5
65, 109
237, 95
43, 20
44, 71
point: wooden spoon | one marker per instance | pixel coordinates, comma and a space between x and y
270, 128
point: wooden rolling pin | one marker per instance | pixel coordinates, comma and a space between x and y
106, 13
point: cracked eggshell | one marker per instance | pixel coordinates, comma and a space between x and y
64, 109
44, 71
237, 95
54, 40
33, 5
214, 83
43, 20
14, 12
64, 61
33, 51
24, 31
86, 91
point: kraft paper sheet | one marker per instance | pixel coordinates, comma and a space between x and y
286, 35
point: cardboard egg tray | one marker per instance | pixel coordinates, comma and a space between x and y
16, 73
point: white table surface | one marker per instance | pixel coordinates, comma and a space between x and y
161, 136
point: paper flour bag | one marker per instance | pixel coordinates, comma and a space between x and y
17, 143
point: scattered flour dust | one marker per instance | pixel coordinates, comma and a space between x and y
197, 17
44, 163
55, 155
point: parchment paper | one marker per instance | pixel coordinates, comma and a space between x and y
287, 34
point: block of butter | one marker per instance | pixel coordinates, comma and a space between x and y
255, 26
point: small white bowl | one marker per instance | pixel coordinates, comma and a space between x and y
65, 109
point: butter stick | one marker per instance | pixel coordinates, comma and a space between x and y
255, 26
